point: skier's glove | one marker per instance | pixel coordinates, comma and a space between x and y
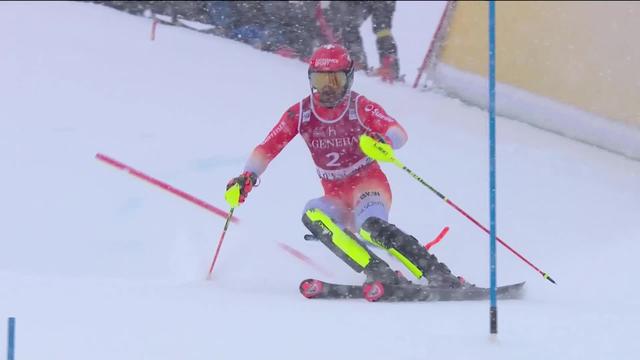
246, 181
379, 137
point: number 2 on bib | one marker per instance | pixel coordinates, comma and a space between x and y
333, 159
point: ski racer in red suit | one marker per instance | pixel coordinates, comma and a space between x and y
357, 196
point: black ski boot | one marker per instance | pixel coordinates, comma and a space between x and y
379, 270
379, 277
410, 252
347, 247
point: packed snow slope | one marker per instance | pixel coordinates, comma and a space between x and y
96, 264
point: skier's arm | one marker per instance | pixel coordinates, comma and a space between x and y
281, 134
377, 120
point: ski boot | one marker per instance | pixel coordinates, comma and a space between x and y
410, 253
345, 245
379, 276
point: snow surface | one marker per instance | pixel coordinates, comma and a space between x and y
96, 264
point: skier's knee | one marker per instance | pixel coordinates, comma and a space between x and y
371, 206
332, 208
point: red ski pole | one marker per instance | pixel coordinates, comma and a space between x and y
224, 232
232, 196
384, 152
441, 196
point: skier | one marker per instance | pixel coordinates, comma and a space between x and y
357, 196
346, 19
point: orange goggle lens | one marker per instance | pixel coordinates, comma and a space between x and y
336, 80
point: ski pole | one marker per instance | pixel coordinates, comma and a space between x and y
224, 232
383, 152
232, 196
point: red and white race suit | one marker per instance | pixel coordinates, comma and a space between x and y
354, 185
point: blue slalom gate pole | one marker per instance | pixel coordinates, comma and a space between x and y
11, 338
493, 309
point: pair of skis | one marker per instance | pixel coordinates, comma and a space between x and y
377, 291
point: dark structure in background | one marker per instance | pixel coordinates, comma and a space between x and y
289, 28
346, 18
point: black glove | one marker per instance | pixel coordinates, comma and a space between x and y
247, 180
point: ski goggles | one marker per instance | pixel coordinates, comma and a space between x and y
337, 80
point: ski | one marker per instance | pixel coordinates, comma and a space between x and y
376, 291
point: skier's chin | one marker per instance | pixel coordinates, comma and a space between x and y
329, 100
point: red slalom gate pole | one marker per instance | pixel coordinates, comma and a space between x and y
325, 28
432, 45
192, 199
304, 258
154, 25
437, 239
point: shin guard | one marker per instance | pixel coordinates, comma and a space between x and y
403, 247
340, 242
